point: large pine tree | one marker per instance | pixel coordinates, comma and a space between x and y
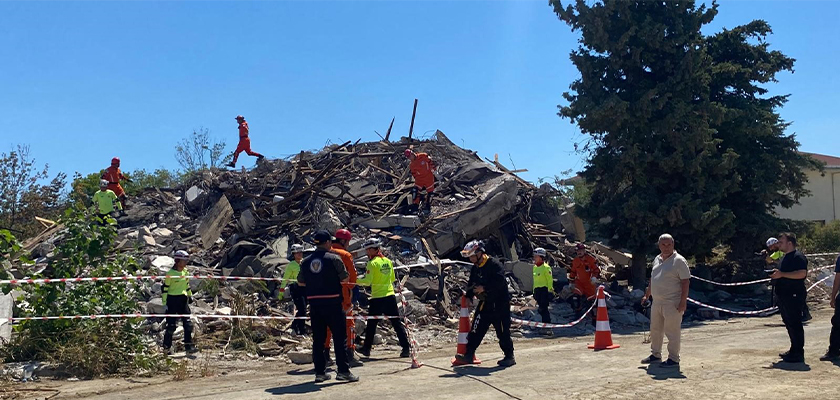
678, 126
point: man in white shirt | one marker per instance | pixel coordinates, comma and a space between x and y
669, 282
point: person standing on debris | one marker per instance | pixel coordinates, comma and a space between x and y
487, 282
342, 240
833, 352
669, 281
113, 175
105, 200
543, 285
244, 142
322, 274
584, 270
289, 284
422, 169
176, 298
380, 276
790, 291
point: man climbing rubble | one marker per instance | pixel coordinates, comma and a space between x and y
176, 298
487, 282
322, 274
543, 286
113, 175
422, 169
380, 276
342, 240
289, 283
584, 270
105, 200
244, 142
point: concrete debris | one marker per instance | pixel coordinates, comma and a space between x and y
242, 224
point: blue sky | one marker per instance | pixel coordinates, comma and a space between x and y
83, 82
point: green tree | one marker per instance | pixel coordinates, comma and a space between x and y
643, 96
772, 171
23, 196
199, 152
83, 187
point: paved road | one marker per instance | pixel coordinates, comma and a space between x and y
721, 360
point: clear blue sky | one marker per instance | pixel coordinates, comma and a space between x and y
82, 82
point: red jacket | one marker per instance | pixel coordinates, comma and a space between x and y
243, 129
583, 269
422, 168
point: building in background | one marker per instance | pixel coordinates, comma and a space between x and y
823, 205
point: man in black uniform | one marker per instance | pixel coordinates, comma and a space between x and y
833, 353
322, 274
487, 281
790, 291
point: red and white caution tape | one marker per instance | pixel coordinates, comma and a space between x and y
731, 283
197, 316
161, 277
821, 254
733, 311
548, 325
820, 281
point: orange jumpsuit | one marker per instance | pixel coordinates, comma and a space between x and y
583, 269
422, 168
347, 293
113, 175
244, 142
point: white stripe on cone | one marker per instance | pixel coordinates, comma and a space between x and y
602, 303
603, 326
462, 337
465, 313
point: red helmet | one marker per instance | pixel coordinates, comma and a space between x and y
115, 161
408, 152
343, 234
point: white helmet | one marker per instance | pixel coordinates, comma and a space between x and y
539, 251
772, 241
472, 247
297, 248
372, 243
103, 183
182, 255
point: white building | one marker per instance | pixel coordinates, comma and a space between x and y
823, 205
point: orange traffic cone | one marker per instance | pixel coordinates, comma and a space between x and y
463, 331
603, 335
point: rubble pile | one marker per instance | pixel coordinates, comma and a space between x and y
242, 223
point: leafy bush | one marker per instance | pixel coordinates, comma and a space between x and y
822, 238
85, 347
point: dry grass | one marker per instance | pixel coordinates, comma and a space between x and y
180, 371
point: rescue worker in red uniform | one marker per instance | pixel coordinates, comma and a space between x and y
584, 268
244, 142
422, 169
339, 248
113, 175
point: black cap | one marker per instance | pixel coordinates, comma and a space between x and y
322, 237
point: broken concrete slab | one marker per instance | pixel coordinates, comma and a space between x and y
269, 349
572, 224
6, 308
247, 221
162, 233
404, 221
155, 306
617, 256
194, 195
211, 225
300, 357
163, 263
524, 272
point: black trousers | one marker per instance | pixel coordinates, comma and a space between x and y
323, 316
543, 297
834, 339
298, 294
386, 306
790, 307
487, 313
177, 304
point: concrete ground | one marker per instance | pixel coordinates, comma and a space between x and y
732, 359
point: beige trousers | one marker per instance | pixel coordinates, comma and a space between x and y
665, 321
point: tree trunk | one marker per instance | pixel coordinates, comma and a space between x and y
638, 270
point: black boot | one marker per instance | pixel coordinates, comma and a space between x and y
508, 361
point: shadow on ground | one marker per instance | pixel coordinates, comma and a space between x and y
661, 374
300, 388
